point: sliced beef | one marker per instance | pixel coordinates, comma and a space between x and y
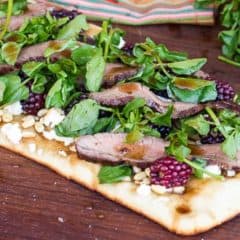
116, 72
33, 10
5, 68
214, 155
37, 51
122, 94
112, 148
113, 72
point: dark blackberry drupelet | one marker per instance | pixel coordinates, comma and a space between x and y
34, 103
224, 90
103, 114
169, 172
212, 139
161, 93
163, 130
128, 48
71, 14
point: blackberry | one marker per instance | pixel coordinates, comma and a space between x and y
103, 114
163, 130
224, 90
169, 172
212, 138
161, 93
34, 103
71, 14
128, 48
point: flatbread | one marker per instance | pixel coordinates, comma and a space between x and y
206, 203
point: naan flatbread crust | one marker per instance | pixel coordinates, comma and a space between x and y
206, 203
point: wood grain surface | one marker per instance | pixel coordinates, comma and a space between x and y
36, 203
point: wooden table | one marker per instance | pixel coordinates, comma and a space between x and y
36, 203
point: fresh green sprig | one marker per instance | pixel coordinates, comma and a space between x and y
230, 19
8, 18
228, 123
19, 6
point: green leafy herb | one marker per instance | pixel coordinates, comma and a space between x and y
12, 89
18, 7
230, 19
84, 54
59, 93
202, 164
10, 52
187, 67
199, 124
192, 90
73, 28
94, 72
228, 123
114, 174
8, 19
108, 39
80, 120
59, 47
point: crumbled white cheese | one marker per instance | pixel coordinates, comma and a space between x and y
53, 117
144, 190
32, 147
158, 189
40, 152
14, 109
231, 173
51, 135
62, 153
179, 190
13, 132
214, 169
136, 169
121, 43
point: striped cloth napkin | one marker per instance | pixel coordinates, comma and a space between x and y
139, 12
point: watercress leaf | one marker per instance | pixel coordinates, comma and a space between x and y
38, 85
30, 68
73, 28
149, 131
179, 151
80, 120
199, 124
14, 37
59, 93
202, 164
105, 124
229, 147
57, 47
192, 90
114, 174
187, 67
18, 7
133, 105
2, 90
170, 56
84, 54
10, 52
14, 89
163, 119
94, 74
